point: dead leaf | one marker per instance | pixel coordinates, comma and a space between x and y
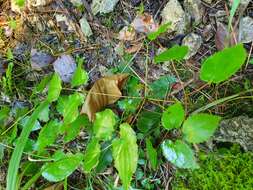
222, 37
105, 91
127, 34
144, 23
58, 186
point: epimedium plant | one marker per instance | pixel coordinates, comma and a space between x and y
107, 129
196, 128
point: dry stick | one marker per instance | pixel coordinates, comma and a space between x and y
250, 51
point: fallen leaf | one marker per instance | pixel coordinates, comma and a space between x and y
144, 23
127, 34
105, 91
222, 37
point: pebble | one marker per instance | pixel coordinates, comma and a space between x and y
193, 41
246, 30
65, 66
173, 13
40, 59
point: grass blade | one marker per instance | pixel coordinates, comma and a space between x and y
17, 153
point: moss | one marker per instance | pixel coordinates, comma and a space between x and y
230, 169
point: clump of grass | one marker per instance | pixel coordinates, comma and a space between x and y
231, 169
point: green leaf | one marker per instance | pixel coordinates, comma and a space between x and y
162, 86
200, 127
48, 135
104, 124
54, 88
251, 62
105, 159
73, 129
162, 29
125, 154
19, 148
148, 120
179, 154
232, 11
80, 76
4, 114
222, 65
20, 3
42, 85
173, 117
61, 169
71, 112
44, 115
91, 156
176, 53
152, 154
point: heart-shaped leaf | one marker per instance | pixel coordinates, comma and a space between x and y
61, 169
104, 124
176, 53
125, 154
80, 76
152, 154
173, 116
224, 64
91, 156
179, 154
200, 127
54, 88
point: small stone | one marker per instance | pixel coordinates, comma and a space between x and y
85, 27
38, 3
40, 60
193, 41
194, 9
246, 30
173, 13
65, 66
64, 23
103, 6
236, 130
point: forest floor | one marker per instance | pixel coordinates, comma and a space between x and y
55, 36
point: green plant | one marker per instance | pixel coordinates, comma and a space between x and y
224, 169
197, 128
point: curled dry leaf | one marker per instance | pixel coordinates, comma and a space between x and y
105, 91
144, 23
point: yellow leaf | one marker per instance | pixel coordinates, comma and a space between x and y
104, 92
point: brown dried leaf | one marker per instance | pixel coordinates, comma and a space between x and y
105, 91
127, 34
144, 23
